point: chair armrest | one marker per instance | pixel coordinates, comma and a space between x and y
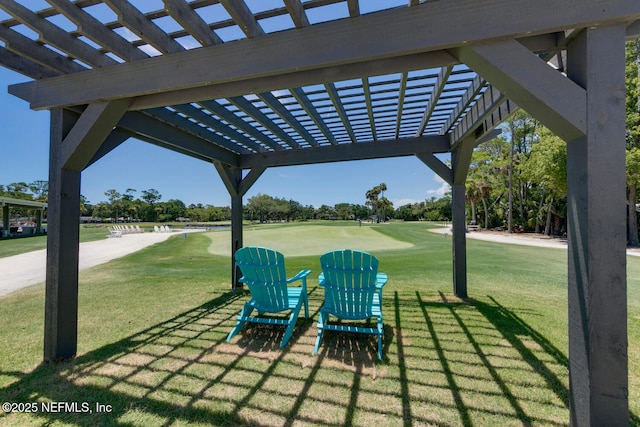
381, 280
302, 275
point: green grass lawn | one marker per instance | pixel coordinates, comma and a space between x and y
14, 246
309, 239
152, 329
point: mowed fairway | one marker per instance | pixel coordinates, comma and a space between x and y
306, 240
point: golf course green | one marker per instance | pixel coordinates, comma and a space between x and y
306, 240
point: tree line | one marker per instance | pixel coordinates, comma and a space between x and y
128, 206
265, 208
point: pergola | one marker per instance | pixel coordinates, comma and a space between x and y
7, 202
253, 84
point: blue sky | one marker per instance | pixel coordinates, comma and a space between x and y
24, 152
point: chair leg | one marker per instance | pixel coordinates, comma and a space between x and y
380, 337
237, 328
246, 312
322, 320
306, 305
292, 323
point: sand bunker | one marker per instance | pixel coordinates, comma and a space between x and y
307, 240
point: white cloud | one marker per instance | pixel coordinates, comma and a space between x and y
404, 202
444, 187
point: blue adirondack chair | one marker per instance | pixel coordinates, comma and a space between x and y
352, 291
263, 271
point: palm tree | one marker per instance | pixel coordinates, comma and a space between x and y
473, 195
372, 198
383, 188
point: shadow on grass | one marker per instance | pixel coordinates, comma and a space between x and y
134, 376
498, 357
447, 363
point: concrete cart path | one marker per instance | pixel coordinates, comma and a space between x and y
29, 268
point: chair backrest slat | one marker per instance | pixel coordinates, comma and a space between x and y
349, 282
264, 272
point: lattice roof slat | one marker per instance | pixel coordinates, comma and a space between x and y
243, 16
209, 122
143, 27
19, 62
52, 34
270, 100
298, 15
340, 110
367, 95
400, 108
312, 113
98, 32
38, 54
193, 127
354, 8
439, 85
193, 23
251, 110
469, 96
231, 118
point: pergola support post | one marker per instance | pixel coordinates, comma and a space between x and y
61, 295
460, 161
5, 219
598, 365
236, 232
75, 139
237, 187
459, 241
39, 214
456, 177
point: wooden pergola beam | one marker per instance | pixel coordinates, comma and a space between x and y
89, 132
172, 137
436, 165
322, 46
532, 83
345, 152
